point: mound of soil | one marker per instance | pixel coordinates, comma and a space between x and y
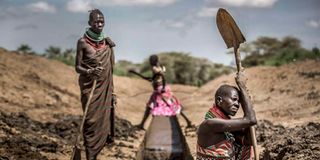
300, 142
24, 138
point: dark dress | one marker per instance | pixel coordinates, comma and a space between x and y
98, 126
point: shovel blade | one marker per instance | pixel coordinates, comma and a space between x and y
76, 153
228, 29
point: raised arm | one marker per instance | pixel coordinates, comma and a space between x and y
249, 114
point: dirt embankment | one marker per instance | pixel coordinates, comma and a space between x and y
43, 97
299, 142
287, 95
40, 109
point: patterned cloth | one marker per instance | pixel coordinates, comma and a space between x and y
164, 104
226, 149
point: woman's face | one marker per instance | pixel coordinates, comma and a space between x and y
230, 102
97, 23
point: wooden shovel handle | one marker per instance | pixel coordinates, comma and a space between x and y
252, 129
76, 145
238, 59
254, 142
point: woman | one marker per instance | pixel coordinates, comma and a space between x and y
219, 136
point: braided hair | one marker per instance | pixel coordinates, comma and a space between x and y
93, 13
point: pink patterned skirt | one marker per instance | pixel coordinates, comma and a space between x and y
164, 103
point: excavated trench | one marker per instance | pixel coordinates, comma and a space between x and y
164, 140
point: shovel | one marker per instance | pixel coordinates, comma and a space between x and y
76, 153
233, 37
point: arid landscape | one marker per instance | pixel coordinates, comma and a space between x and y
40, 109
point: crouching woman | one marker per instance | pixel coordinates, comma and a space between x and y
219, 136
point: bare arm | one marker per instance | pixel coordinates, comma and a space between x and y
248, 111
222, 125
79, 55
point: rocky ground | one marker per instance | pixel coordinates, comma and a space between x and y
24, 138
279, 142
40, 109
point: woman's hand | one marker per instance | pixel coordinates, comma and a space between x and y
241, 80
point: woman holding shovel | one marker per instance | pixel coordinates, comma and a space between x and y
219, 136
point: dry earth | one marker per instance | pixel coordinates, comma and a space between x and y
40, 109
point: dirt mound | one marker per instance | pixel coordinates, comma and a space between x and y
36, 138
23, 138
289, 94
300, 142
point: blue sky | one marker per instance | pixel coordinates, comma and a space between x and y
144, 27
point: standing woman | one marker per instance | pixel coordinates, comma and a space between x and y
95, 61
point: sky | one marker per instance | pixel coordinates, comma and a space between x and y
144, 27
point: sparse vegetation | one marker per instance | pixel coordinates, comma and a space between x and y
25, 49
67, 56
274, 52
121, 68
52, 52
181, 68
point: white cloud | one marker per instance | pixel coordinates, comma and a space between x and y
173, 24
159, 3
86, 5
41, 7
313, 23
25, 26
207, 12
181, 25
249, 3
79, 6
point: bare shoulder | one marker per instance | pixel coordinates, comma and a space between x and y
110, 42
82, 44
202, 127
81, 41
156, 69
204, 133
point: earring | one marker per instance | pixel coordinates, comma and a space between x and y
219, 100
